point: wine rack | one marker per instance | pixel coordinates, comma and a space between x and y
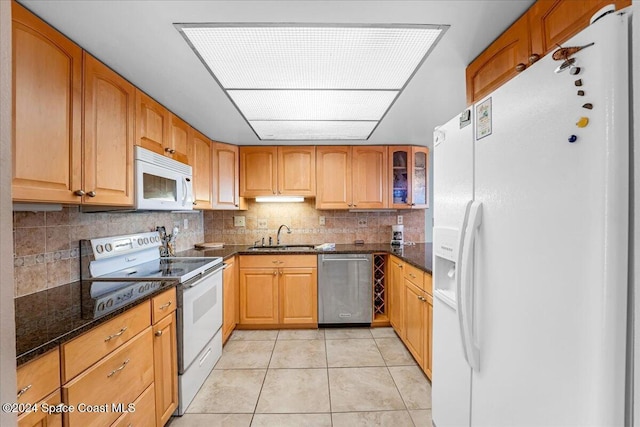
380, 310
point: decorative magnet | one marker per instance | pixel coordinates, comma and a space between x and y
574, 70
583, 122
588, 106
578, 82
573, 138
580, 93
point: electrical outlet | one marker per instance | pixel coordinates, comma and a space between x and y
262, 224
399, 222
362, 222
322, 220
186, 224
238, 221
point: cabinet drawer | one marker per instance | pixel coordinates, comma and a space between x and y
118, 378
82, 352
144, 414
278, 261
163, 304
38, 378
415, 275
41, 418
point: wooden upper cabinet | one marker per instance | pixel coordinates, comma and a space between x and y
555, 21
179, 140
408, 181
47, 105
296, 170
333, 177
109, 102
201, 159
370, 177
226, 176
502, 60
152, 124
258, 166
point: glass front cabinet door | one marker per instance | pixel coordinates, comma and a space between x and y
409, 177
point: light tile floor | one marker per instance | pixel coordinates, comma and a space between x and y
326, 377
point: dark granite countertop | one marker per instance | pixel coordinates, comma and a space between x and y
418, 255
51, 317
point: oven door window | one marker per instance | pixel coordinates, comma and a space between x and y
159, 188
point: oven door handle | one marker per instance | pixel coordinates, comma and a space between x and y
195, 281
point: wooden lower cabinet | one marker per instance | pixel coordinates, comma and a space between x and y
229, 298
118, 378
278, 290
165, 368
396, 294
41, 418
144, 414
415, 319
428, 354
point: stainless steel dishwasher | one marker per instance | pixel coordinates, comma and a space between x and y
345, 289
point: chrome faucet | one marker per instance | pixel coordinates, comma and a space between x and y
278, 235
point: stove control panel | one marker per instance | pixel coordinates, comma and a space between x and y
107, 247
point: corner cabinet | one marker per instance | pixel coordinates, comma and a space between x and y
47, 106
409, 180
278, 290
226, 177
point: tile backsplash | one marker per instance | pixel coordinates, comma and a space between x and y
304, 220
45, 244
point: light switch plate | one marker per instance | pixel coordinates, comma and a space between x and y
238, 221
262, 223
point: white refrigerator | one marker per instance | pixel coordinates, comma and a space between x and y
531, 235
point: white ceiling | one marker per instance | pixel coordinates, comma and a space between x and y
138, 40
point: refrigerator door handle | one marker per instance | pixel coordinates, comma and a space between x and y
467, 285
459, 268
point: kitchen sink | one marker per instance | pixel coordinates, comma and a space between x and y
282, 248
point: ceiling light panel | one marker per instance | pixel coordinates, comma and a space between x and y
312, 104
312, 130
311, 57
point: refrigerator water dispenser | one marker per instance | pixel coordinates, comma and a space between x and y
445, 259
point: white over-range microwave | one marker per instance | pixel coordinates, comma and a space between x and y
162, 183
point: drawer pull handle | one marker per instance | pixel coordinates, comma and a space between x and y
110, 374
421, 298
412, 275
158, 333
275, 272
275, 262
24, 390
110, 337
163, 306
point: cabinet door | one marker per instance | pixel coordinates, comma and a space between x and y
145, 413
109, 102
555, 21
400, 167
297, 171
258, 296
396, 294
226, 176
501, 61
179, 139
415, 315
333, 177
41, 418
428, 353
258, 171
152, 124
165, 362
229, 299
298, 296
370, 177
47, 112
419, 177
201, 160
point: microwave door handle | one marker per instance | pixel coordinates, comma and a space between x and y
186, 189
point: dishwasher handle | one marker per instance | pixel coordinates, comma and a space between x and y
344, 259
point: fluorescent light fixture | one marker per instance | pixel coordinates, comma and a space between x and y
323, 73
279, 199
